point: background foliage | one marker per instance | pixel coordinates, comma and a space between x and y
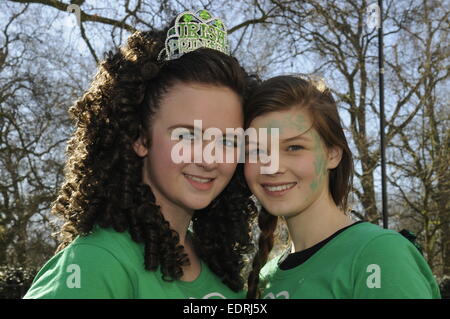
47, 61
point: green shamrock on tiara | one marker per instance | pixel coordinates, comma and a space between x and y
205, 15
192, 31
187, 17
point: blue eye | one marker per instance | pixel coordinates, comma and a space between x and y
295, 147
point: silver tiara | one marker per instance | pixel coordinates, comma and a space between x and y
192, 31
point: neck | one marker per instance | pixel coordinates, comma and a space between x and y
317, 222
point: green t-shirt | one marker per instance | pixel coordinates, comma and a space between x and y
109, 264
362, 262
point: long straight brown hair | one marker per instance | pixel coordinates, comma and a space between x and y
284, 93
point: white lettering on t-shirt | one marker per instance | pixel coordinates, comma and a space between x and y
211, 295
374, 279
283, 293
74, 279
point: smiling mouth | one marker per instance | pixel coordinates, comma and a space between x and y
279, 188
199, 179
199, 182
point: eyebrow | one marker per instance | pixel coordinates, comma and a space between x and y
300, 136
289, 139
188, 126
192, 128
295, 138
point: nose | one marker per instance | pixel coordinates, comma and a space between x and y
208, 160
208, 166
280, 171
277, 174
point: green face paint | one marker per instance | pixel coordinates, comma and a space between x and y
297, 122
279, 124
319, 163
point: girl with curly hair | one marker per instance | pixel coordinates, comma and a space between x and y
332, 256
128, 206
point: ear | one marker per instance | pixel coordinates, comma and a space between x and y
334, 157
140, 147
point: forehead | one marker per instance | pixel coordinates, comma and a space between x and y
216, 106
291, 122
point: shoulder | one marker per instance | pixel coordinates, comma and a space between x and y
372, 243
92, 266
119, 244
372, 239
366, 231
387, 265
109, 244
365, 235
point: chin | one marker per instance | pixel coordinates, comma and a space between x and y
198, 205
280, 211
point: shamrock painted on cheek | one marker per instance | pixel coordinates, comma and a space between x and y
319, 163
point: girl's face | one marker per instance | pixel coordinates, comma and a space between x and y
302, 177
189, 186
